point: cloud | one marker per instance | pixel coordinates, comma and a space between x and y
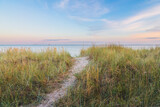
154, 29
85, 8
63, 3
144, 14
92, 11
153, 1
55, 40
146, 20
146, 36
152, 38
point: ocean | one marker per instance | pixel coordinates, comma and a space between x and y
74, 50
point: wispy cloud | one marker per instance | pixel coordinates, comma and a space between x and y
154, 29
153, 1
144, 14
152, 38
91, 13
146, 20
63, 3
85, 8
147, 37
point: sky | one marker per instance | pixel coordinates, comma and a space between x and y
79, 21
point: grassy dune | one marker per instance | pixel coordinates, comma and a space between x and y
117, 76
25, 76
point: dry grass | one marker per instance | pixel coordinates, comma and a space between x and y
25, 76
117, 76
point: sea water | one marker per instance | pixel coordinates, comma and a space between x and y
74, 50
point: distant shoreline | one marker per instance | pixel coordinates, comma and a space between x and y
78, 44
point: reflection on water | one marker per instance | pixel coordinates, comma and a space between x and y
74, 50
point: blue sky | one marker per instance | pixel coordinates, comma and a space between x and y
76, 21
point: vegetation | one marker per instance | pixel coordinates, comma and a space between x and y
25, 76
117, 76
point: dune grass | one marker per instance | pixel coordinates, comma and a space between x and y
117, 76
26, 76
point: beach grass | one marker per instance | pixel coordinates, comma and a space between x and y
117, 76
26, 76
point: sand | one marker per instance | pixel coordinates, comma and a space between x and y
51, 98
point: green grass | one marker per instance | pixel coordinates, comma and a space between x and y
117, 76
26, 76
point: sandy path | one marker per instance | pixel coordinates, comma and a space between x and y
79, 65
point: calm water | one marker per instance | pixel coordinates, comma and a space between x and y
74, 50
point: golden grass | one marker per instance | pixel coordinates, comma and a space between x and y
117, 76
25, 76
